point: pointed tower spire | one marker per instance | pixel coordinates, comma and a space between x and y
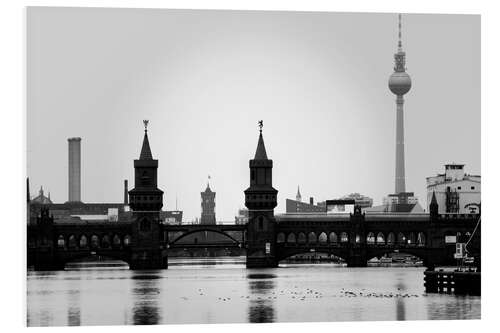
146, 150
298, 197
260, 153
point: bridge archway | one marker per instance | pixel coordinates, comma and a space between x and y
333, 237
186, 234
391, 238
280, 238
301, 239
311, 238
344, 237
370, 238
291, 239
380, 238
83, 241
72, 241
322, 238
61, 242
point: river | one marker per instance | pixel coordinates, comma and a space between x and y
224, 291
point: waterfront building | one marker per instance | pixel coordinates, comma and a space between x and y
455, 191
207, 206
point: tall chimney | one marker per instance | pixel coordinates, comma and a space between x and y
311, 200
125, 192
74, 171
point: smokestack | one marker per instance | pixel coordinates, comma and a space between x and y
74, 171
311, 200
125, 192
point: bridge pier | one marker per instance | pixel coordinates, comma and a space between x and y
357, 260
148, 259
261, 262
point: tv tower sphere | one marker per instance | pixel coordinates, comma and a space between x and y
399, 83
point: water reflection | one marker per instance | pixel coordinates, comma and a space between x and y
261, 306
400, 303
145, 294
74, 315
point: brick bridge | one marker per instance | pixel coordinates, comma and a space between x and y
143, 242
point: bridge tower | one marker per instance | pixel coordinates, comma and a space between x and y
45, 257
146, 201
260, 199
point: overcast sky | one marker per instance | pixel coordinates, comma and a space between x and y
204, 79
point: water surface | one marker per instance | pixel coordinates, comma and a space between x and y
224, 291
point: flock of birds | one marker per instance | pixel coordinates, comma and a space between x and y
297, 294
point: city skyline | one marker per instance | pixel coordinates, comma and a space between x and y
226, 139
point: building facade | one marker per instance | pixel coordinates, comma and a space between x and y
455, 191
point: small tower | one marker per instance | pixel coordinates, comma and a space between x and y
207, 206
261, 199
146, 201
433, 206
298, 197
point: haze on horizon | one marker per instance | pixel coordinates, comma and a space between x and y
203, 78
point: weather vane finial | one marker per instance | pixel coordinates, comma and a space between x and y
146, 122
261, 124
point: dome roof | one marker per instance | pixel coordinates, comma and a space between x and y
399, 83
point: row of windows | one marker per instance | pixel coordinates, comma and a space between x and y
391, 238
460, 187
94, 242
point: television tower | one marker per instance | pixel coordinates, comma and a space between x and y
400, 84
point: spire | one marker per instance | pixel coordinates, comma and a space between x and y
146, 151
260, 153
41, 191
400, 56
400, 45
433, 200
298, 197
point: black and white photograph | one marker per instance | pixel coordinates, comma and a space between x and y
209, 166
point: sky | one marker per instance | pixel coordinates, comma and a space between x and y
203, 78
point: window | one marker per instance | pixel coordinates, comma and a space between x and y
472, 187
460, 187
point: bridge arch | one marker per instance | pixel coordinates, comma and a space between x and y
344, 237
333, 237
72, 241
94, 241
105, 243
116, 241
370, 238
322, 238
380, 238
61, 242
401, 238
421, 239
280, 238
301, 239
202, 230
391, 238
291, 239
83, 243
311, 237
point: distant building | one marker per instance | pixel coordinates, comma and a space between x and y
172, 217
242, 217
455, 191
294, 206
360, 200
41, 198
207, 206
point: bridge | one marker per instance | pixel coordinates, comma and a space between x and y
142, 241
